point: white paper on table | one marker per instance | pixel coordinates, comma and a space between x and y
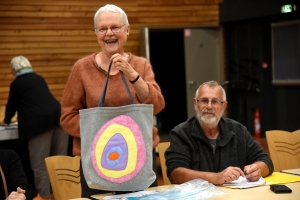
242, 182
13, 125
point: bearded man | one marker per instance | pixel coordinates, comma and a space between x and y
214, 148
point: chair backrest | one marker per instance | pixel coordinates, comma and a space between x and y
161, 152
284, 148
64, 175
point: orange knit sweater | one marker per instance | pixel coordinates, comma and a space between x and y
84, 87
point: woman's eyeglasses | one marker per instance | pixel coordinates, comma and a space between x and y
114, 29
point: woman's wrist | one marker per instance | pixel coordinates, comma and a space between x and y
135, 80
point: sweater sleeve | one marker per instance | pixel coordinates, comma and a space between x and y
73, 100
12, 104
255, 153
179, 152
155, 96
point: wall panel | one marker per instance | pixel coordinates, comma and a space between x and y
54, 34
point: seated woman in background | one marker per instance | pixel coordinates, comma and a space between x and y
13, 180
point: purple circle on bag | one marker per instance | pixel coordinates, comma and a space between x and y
118, 146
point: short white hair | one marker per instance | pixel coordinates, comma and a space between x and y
20, 62
111, 8
212, 84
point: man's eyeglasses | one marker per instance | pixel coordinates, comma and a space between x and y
214, 102
114, 29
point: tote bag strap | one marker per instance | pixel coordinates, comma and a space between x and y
102, 98
4, 181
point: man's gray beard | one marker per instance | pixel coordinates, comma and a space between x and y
207, 122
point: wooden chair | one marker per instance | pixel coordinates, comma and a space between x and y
284, 148
161, 152
64, 175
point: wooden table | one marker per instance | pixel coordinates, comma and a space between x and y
255, 193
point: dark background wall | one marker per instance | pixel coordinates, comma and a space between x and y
169, 74
247, 28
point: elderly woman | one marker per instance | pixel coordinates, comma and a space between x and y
84, 87
38, 121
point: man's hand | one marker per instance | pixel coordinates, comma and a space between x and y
18, 195
252, 172
228, 175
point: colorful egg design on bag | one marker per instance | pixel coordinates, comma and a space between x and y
118, 152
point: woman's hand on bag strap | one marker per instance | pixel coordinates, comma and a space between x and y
121, 64
140, 86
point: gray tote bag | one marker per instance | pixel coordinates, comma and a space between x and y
116, 145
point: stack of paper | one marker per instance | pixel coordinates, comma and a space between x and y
292, 171
13, 125
242, 182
